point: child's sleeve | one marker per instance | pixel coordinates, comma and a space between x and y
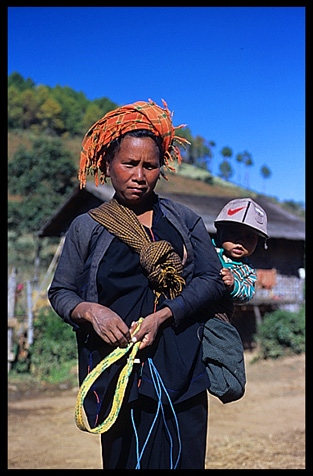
244, 283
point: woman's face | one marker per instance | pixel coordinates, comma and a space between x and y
135, 169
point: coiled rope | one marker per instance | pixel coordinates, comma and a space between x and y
119, 395
120, 386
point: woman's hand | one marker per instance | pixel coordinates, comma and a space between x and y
107, 324
149, 327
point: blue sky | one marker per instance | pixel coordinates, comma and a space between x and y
235, 75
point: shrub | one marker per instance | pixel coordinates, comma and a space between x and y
281, 333
53, 352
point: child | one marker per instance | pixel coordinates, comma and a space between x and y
239, 225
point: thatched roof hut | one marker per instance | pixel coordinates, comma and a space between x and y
281, 223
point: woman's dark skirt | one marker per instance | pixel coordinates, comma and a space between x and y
119, 443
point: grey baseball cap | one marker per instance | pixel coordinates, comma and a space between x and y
245, 211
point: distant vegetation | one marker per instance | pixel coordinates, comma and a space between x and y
60, 111
53, 111
49, 124
281, 333
52, 355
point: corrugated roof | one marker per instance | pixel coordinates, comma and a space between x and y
281, 223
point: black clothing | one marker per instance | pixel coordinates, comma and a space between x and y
97, 267
119, 446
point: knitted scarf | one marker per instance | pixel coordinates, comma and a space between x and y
158, 258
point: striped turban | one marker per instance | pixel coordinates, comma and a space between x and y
139, 115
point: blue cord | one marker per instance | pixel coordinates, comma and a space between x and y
158, 386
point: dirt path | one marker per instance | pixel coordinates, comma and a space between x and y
264, 430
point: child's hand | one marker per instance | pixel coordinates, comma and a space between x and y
228, 278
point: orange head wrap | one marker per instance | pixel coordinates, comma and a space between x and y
140, 115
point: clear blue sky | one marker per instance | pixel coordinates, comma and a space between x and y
235, 75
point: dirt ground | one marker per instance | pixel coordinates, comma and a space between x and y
264, 430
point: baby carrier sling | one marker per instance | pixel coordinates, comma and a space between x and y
223, 356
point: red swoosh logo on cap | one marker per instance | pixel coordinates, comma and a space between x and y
231, 212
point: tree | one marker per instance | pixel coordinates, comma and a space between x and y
93, 114
15, 108
248, 162
226, 170
211, 144
266, 173
105, 104
202, 151
15, 79
239, 159
52, 110
30, 108
226, 152
41, 177
73, 106
49, 115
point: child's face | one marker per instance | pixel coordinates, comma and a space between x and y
237, 240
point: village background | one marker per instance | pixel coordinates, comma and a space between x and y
266, 428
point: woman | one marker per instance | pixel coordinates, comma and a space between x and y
140, 256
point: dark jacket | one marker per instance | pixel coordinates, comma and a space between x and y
75, 281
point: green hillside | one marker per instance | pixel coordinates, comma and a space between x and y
195, 180
46, 128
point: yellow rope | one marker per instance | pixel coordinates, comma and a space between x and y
120, 387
